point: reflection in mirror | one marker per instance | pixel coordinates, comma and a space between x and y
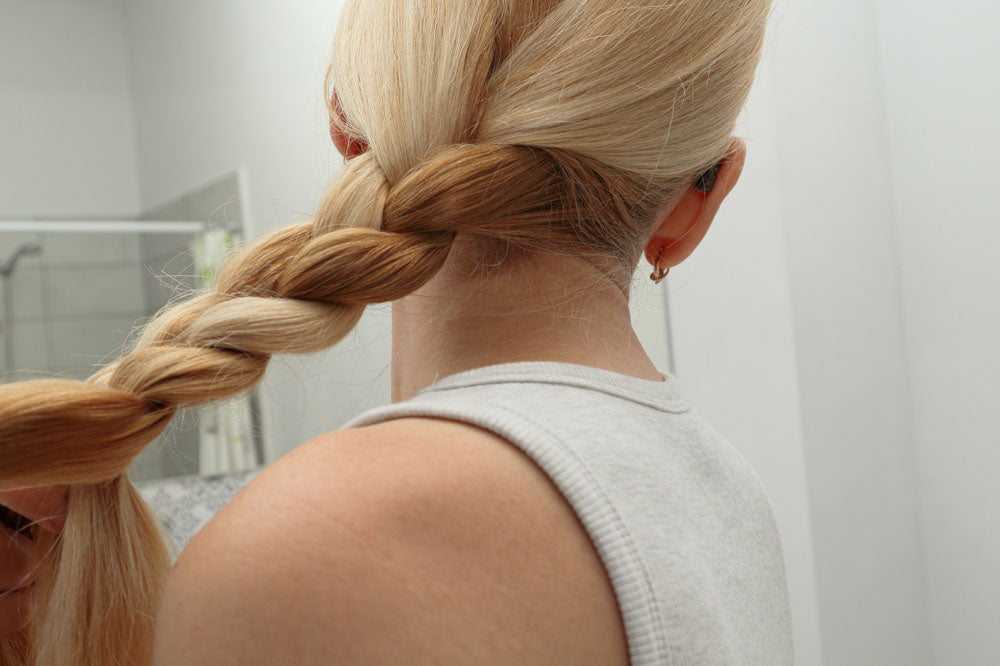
76, 291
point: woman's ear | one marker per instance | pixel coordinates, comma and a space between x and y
348, 146
683, 226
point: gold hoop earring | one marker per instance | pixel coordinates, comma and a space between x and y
658, 275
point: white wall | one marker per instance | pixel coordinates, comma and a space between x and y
853, 375
942, 91
66, 134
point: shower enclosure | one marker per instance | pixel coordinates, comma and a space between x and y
73, 293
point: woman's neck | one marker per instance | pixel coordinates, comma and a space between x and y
552, 309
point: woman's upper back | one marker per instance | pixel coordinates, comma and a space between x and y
680, 521
564, 509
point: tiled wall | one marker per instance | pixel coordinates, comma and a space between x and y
73, 305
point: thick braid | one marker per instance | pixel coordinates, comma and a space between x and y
299, 289
295, 290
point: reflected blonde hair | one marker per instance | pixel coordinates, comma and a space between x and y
528, 126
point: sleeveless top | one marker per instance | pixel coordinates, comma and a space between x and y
682, 523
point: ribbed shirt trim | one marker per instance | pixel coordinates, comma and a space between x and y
666, 395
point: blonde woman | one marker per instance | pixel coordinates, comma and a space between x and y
538, 492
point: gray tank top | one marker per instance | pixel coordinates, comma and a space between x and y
682, 523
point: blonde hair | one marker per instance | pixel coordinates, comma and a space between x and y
529, 126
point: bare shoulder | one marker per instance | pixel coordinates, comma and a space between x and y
411, 541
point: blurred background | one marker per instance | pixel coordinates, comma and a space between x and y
839, 324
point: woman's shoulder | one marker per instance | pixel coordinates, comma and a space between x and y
413, 527
302, 562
